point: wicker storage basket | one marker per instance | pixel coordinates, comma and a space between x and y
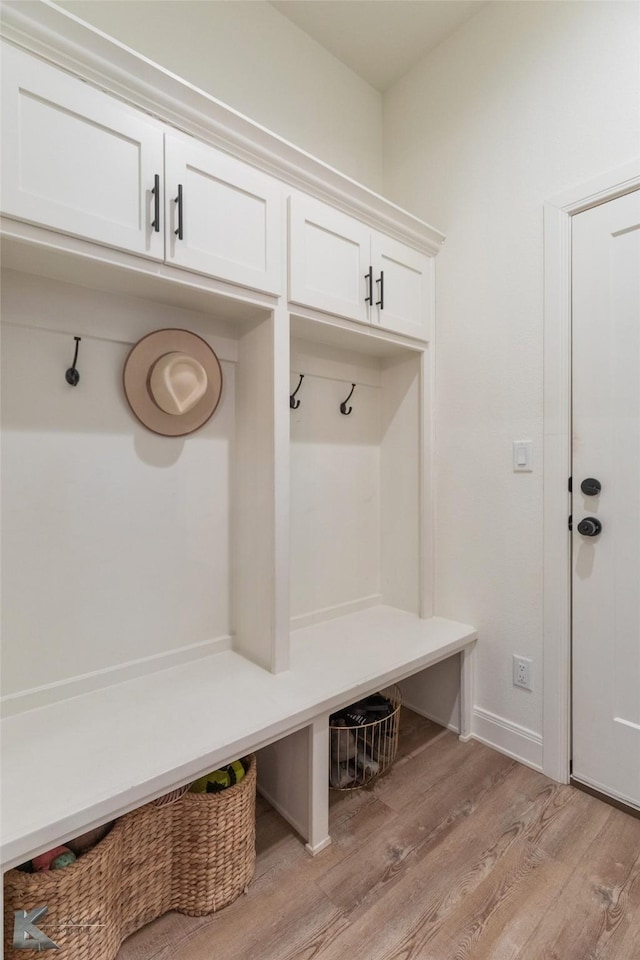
361, 751
195, 855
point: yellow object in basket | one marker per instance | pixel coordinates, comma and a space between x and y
220, 779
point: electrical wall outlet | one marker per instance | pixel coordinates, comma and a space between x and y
522, 670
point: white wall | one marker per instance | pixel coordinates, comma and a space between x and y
522, 102
251, 57
86, 590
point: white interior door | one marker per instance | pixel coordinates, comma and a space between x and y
606, 448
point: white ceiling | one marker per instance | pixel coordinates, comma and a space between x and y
380, 40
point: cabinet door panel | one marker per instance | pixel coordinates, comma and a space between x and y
77, 160
231, 216
408, 288
328, 259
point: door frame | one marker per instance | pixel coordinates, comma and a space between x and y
558, 211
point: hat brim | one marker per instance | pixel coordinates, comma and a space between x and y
137, 372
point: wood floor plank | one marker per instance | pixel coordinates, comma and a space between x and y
586, 918
625, 943
459, 853
413, 903
271, 920
276, 843
422, 770
499, 917
486, 884
417, 733
367, 874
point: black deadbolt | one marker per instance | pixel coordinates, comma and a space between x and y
589, 527
591, 487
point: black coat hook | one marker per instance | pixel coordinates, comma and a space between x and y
293, 403
343, 405
72, 376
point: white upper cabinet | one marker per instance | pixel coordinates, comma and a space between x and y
78, 160
82, 162
339, 265
403, 287
329, 255
223, 217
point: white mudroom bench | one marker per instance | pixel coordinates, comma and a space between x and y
72, 765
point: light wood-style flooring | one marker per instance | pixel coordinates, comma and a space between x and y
459, 853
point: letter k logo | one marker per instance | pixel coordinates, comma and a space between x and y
26, 935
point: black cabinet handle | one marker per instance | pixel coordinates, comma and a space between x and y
369, 278
178, 200
380, 280
155, 223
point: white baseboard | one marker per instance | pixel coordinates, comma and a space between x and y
319, 847
507, 737
454, 727
14, 703
502, 735
331, 613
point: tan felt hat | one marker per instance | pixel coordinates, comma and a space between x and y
172, 381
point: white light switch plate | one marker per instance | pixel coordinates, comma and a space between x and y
522, 456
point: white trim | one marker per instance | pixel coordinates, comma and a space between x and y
605, 789
556, 501
426, 507
302, 620
506, 737
467, 692
600, 189
48, 693
318, 848
556, 722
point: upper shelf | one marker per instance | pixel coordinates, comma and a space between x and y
31, 249
63, 39
106, 752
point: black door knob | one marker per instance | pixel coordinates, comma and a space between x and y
591, 487
589, 527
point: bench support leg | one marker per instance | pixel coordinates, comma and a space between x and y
318, 837
466, 692
293, 776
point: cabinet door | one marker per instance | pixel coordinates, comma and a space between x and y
329, 257
231, 216
77, 160
403, 288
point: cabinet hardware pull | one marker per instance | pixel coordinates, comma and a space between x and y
293, 403
343, 405
369, 277
178, 200
155, 223
380, 280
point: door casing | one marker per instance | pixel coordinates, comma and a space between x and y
558, 211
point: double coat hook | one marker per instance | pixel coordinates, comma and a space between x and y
344, 409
